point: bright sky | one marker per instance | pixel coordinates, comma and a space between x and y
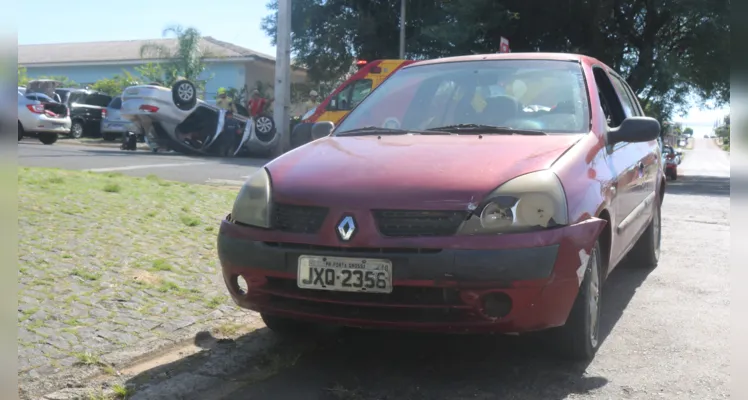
236, 22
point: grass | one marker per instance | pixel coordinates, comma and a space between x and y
84, 236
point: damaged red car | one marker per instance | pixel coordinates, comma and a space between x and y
477, 194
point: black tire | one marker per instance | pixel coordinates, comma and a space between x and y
109, 137
184, 94
579, 338
286, 326
48, 138
301, 135
265, 128
674, 176
21, 132
646, 252
76, 130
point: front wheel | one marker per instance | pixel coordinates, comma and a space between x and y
579, 338
48, 138
20, 131
264, 128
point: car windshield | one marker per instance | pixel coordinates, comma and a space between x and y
541, 95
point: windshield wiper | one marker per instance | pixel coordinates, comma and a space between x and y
486, 129
376, 130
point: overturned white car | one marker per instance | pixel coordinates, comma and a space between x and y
176, 119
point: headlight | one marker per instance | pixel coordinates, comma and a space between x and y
532, 201
252, 204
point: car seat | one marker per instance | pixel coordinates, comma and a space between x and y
499, 110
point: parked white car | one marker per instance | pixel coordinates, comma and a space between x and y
45, 121
176, 119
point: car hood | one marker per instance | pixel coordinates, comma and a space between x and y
409, 171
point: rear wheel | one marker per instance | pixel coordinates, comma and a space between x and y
646, 251
286, 326
76, 130
20, 131
48, 138
265, 128
579, 338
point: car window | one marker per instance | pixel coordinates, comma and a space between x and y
486, 92
116, 103
627, 102
98, 99
609, 101
76, 97
351, 95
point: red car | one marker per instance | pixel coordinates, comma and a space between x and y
487, 193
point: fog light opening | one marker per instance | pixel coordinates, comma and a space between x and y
496, 305
239, 285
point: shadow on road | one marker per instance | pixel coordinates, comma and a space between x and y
367, 365
699, 186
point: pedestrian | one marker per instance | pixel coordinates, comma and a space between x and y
257, 104
310, 104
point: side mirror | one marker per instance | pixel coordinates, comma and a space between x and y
322, 129
635, 130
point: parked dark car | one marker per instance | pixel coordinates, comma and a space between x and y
87, 108
484, 193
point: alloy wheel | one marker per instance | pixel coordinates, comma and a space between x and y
185, 92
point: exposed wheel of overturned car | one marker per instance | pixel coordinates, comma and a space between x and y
184, 94
265, 128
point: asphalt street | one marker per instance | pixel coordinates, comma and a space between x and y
665, 333
171, 166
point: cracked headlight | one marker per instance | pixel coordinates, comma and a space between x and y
528, 202
252, 204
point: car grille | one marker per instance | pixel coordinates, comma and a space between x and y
406, 223
298, 219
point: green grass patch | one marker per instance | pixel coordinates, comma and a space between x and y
97, 231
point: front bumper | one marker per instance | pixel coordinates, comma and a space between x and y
533, 276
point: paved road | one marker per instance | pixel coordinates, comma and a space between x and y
176, 167
665, 334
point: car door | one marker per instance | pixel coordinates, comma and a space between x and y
647, 164
622, 159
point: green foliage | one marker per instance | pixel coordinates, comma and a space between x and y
670, 51
156, 73
186, 61
723, 131
688, 131
23, 78
116, 85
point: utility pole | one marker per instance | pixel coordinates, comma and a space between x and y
402, 29
282, 86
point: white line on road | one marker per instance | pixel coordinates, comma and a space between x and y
224, 182
131, 167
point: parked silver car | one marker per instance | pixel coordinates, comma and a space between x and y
113, 126
42, 120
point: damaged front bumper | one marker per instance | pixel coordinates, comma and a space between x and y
500, 283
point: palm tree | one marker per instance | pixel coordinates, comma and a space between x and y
187, 60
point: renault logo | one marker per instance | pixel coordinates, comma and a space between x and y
346, 228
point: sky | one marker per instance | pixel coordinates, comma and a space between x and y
237, 22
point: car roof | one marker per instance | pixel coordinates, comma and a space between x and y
509, 56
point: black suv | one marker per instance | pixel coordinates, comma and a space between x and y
87, 108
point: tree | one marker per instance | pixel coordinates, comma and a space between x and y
688, 131
23, 78
116, 85
723, 131
187, 60
669, 50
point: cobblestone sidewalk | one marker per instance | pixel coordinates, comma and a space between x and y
109, 263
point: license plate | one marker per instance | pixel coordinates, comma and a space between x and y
345, 274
